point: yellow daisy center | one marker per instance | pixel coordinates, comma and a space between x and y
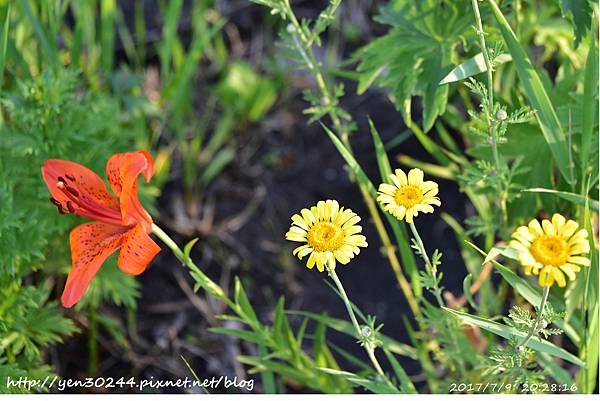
550, 250
408, 196
325, 236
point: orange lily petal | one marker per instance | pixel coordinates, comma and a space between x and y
137, 250
91, 244
122, 171
77, 189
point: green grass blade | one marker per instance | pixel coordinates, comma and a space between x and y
510, 332
371, 385
536, 94
473, 66
571, 197
345, 327
407, 386
5, 18
107, 33
267, 377
47, 43
590, 105
398, 228
169, 35
351, 161
589, 350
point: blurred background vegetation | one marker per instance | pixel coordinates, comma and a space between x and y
223, 99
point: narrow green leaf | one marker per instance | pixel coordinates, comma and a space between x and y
385, 169
473, 66
533, 295
407, 386
241, 300
398, 228
5, 18
242, 334
371, 385
267, 377
510, 332
345, 327
351, 161
589, 349
560, 375
467, 291
187, 249
107, 33
48, 46
169, 31
536, 94
571, 197
590, 106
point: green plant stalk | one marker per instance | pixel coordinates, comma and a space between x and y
214, 289
366, 345
430, 268
437, 292
490, 124
311, 61
534, 329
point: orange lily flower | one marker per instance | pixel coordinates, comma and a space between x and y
120, 222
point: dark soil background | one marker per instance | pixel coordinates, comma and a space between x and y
282, 165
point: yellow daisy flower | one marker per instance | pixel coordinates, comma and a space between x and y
409, 195
330, 233
552, 249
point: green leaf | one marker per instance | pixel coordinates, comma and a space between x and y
533, 295
371, 385
510, 333
579, 12
416, 52
590, 107
267, 377
48, 46
187, 249
5, 18
554, 369
398, 228
473, 66
169, 35
536, 94
589, 350
107, 33
241, 300
467, 290
245, 335
345, 327
407, 386
571, 197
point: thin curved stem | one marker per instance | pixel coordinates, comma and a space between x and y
428, 265
304, 47
534, 329
366, 345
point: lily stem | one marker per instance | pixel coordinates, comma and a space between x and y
201, 278
534, 329
367, 345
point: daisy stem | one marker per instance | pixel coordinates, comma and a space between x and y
431, 269
366, 345
304, 47
534, 329
493, 134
